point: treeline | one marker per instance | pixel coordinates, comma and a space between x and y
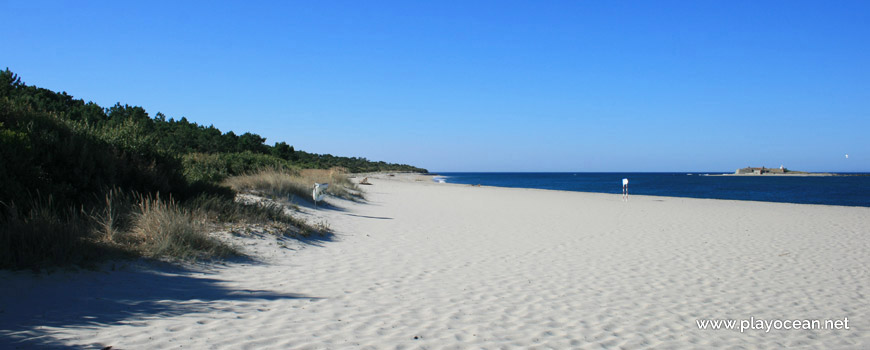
178, 136
71, 169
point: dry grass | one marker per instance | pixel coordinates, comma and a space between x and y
283, 183
163, 228
154, 227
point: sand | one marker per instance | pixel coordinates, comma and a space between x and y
423, 265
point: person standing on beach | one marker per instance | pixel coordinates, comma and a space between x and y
625, 189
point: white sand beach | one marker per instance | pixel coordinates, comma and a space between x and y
423, 265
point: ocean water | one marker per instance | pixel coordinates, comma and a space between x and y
829, 190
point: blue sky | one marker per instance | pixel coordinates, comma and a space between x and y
480, 85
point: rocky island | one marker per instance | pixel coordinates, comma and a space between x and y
775, 171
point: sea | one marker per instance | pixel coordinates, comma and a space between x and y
848, 189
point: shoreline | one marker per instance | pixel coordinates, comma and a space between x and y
657, 195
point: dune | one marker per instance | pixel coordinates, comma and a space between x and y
425, 265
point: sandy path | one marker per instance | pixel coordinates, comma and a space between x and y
425, 265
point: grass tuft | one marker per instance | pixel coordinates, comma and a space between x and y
113, 219
163, 228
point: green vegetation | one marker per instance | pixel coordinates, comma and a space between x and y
215, 167
82, 183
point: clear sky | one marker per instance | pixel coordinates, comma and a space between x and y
479, 85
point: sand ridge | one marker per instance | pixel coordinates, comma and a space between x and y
423, 265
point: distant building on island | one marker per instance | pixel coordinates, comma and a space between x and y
761, 171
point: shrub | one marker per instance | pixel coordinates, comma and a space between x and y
215, 167
72, 160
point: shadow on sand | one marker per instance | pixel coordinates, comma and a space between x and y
370, 217
321, 205
30, 303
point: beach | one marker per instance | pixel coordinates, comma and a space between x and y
426, 265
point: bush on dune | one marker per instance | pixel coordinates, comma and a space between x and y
216, 167
72, 161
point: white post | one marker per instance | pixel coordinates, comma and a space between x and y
625, 189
